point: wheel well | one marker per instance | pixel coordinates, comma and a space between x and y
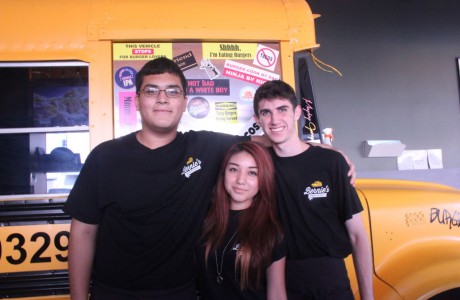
447, 295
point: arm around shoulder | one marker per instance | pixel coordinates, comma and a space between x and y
352, 172
261, 139
82, 245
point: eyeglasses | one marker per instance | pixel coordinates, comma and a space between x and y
151, 92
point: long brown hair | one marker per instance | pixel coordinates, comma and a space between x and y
259, 229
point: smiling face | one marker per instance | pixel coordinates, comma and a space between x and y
241, 180
160, 114
278, 119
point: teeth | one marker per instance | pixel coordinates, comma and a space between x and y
277, 129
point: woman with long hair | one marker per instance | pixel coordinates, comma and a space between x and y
242, 252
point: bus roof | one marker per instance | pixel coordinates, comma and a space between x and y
79, 22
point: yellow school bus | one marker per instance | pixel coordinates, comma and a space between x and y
66, 85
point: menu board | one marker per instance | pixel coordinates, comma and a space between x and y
221, 81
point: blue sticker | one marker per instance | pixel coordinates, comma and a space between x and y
125, 77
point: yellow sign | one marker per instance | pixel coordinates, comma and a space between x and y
141, 51
226, 112
33, 247
229, 50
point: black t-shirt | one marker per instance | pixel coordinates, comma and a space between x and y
229, 289
315, 198
150, 206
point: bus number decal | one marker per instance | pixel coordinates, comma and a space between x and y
43, 239
18, 247
62, 235
36, 258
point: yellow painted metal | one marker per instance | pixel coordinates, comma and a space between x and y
84, 30
258, 20
415, 232
60, 297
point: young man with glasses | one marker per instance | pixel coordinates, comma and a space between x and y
139, 202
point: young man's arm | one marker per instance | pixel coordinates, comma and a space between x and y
352, 172
276, 287
264, 140
261, 139
82, 245
362, 256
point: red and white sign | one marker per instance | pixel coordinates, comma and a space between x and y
142, 51
266, 57
246, 73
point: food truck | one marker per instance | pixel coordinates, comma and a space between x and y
67, 78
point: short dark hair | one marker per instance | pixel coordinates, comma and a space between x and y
160, 65
274, 89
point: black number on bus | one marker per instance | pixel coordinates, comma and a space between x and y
37, 257
18, 247
58, 244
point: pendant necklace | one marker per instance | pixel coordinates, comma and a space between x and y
219, 277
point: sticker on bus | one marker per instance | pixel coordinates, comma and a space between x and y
33, 247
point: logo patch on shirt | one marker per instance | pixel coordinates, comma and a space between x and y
191, 167
316, 190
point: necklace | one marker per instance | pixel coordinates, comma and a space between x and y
219, 277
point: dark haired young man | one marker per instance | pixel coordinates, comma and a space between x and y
138, 204
318, 206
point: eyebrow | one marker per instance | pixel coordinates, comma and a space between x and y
264, 110
283, 106
235, 164
156, 86
278, 107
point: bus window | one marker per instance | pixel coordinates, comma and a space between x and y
43, 125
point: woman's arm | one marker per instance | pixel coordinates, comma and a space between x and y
276, 286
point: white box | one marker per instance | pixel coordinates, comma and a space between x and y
383, 148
